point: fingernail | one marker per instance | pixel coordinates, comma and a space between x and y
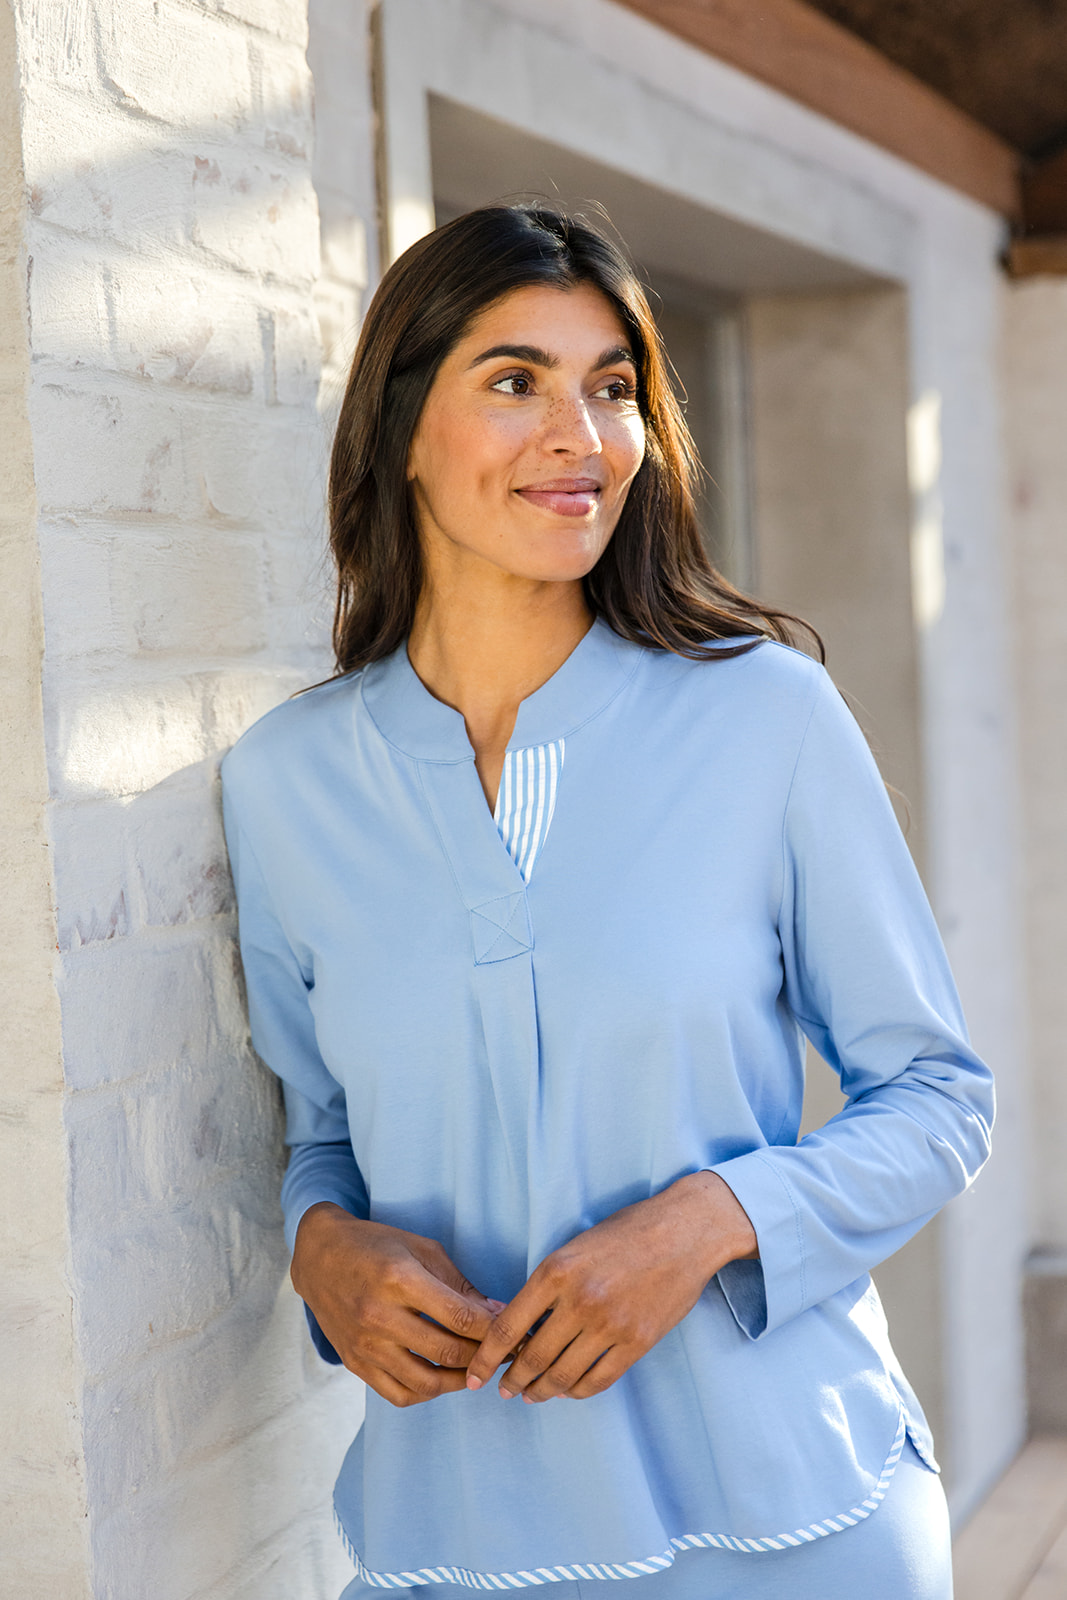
527, 1400
473, 1382
497, 1305
508, 1394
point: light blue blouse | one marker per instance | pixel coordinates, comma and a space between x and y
498, 1063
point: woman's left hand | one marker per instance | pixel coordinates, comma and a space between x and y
614, 1291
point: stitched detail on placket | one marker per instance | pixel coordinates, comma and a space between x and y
500, 928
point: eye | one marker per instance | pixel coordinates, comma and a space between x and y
617, 389
516, 383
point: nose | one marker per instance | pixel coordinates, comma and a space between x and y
569, 428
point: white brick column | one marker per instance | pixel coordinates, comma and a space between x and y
161, 346
42, 1490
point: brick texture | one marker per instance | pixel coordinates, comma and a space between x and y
174, 304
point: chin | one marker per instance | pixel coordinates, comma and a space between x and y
554, 565
553, 571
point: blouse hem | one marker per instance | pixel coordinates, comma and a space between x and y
639, 1569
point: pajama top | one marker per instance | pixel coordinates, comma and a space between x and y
495, 1032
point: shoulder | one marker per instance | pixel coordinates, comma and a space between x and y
290, 734
783, 711
769, 685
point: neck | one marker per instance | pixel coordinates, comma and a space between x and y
483, 648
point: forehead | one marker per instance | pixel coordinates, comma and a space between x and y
544, 315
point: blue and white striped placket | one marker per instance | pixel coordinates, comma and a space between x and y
526, 800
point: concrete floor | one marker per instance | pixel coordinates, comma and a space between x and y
1015, 1546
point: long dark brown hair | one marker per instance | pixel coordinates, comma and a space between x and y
654, 583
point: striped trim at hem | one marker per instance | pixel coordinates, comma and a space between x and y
638, 1569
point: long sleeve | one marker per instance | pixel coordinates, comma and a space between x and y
866, 977
515, 1058
322, 1165
317, 1172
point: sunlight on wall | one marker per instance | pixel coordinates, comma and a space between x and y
924, 476
126, 740
409, 221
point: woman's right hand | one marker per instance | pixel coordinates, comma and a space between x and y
371, 1288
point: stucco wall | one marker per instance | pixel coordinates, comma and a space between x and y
832, 513
339, 49
829, 404
171, 251
1035, 402
1034, 366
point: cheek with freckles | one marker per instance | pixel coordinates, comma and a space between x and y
460, 460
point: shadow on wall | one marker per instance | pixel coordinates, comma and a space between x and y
203, 1405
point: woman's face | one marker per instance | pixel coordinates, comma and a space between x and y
530, 436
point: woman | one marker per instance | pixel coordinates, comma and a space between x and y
537, 898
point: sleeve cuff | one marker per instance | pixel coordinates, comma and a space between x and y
319, 1339
292, 1222
318, 1173
745, 1292
764, 1294
294, 1213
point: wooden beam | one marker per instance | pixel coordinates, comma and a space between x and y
1045, 196
798, 50
1038, 256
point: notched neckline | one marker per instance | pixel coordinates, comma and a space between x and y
415, 722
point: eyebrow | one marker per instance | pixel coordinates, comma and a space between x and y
534, 356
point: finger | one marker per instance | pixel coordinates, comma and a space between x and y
392, 1389
540, 1353
422, 1379
603, 1373
463, 1314
429, 1340
382, 1383
569, 1367
439, 1264
510, 1327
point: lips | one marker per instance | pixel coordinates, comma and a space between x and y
567, 497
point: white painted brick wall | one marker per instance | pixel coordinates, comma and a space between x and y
42, 1482
175, 303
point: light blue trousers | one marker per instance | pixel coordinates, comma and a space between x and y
902, 1552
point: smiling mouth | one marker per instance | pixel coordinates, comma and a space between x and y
567, 497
